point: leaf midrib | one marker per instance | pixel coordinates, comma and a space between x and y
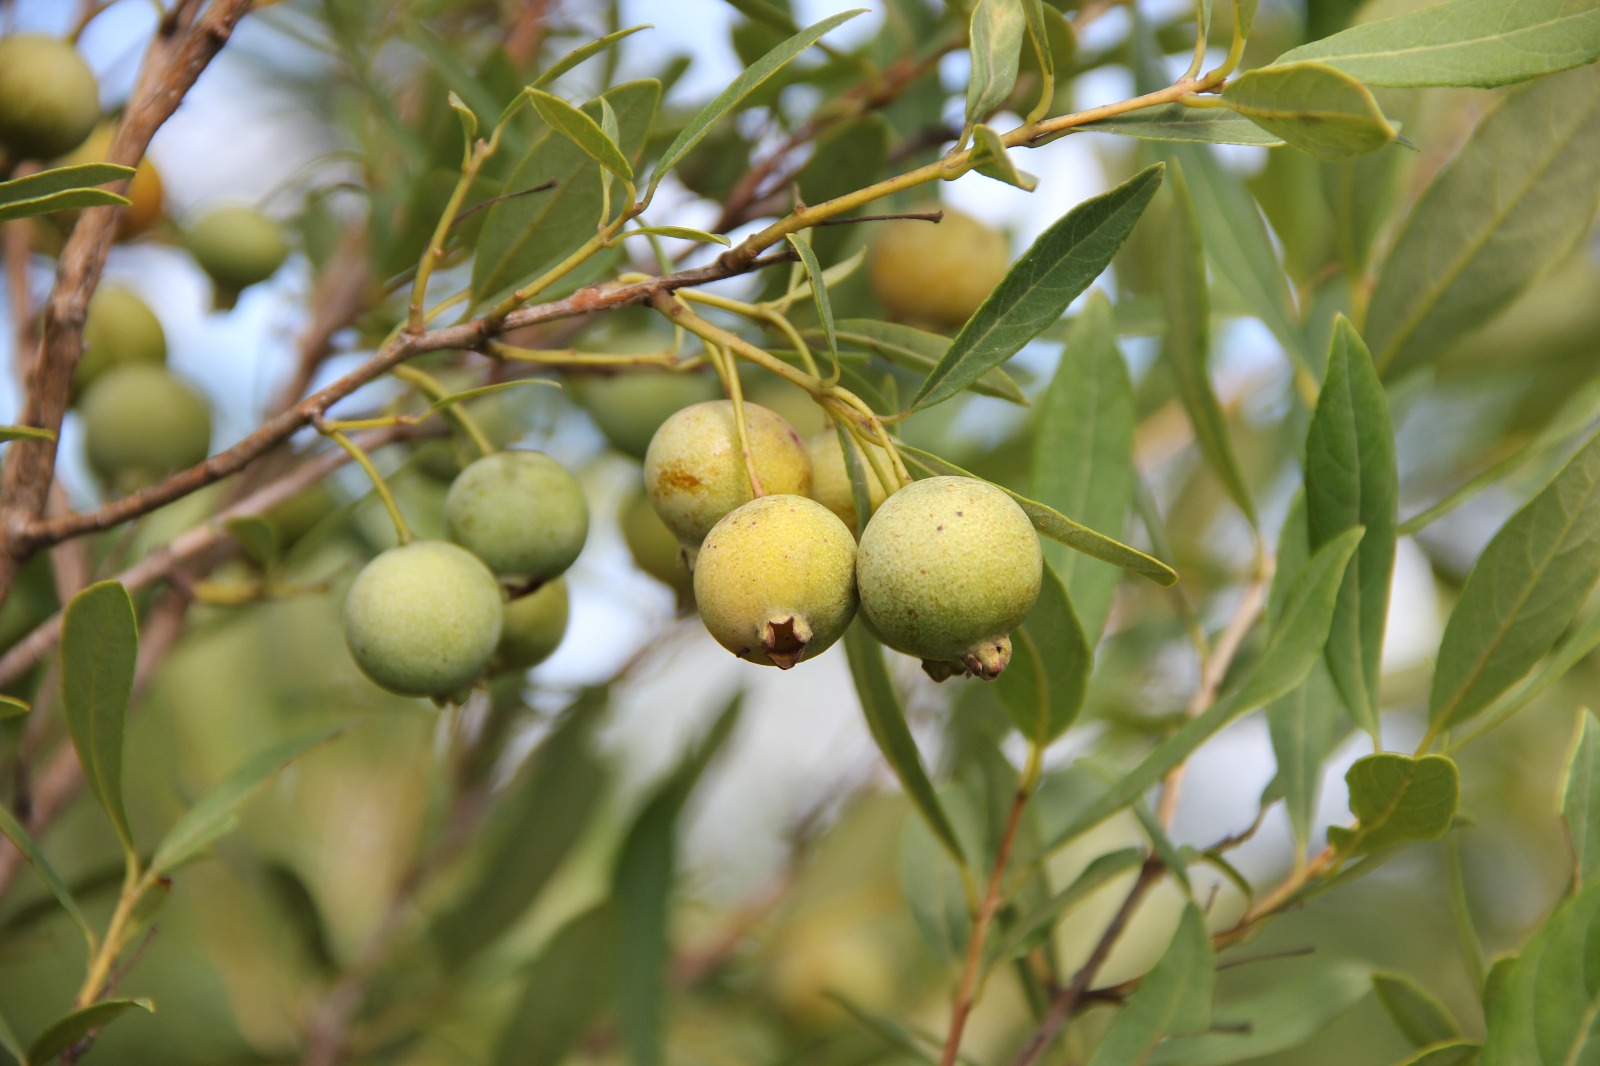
1344, 57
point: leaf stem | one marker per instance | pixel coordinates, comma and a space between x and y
381, 487
455, 412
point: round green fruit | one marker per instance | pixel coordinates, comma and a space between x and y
423, 619
533, 626
521, 512
237, 247
775, 580
654, 547
936, 273
628, 407
947, 568
830, 479
120, 330
49, 102
140, 423
695, 472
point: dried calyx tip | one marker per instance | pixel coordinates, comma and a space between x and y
784, 641
985, 661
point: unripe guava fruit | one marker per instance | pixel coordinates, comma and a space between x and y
936, 273
237, 247
533, 626
145, 192
775, 580
120, 330
695, 472
49, 101
830, 478
947, 568
630, 405
140, 423
423, 619
654, 547
521, 512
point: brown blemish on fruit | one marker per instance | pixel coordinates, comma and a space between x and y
677, 476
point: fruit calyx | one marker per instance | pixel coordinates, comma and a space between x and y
785, 639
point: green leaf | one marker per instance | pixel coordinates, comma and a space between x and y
642, 884
1290, 652
1284, 1016
1083, 453
1044, 686
1516, 196
1187, 343
1396, 799
469, 123
214, 816
915, 349
751, 78
523, 235
1175, 997
256, 537
47, 183
25, 433
1455, 1053
1360, 193
935, 893
996, 43
65, 1032
1056, 525
581, 130
29, 849
534, 825
1034, 927
11, 707
99, 651
887, 723
1522, 592
1244, 17
989, 158
1039, 286
1479, 43
454, 398
1305, 725
1315, 108
1580, 799
1175, 122
9, 1041
819, 292
1544, 1015
1416, 1012
1352, 479
578, 55
683, 233
567, 987
72, 200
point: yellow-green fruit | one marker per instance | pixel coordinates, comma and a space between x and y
654, 547
49, 101
120, 330
423, 619
775, 580
521, 512
695, 472
140, 424
533, 626
947, 568
145, 192
936, 272
830, 479
628, 407
236, 246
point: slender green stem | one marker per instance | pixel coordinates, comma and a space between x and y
572, 357
481, 151
456, 413
381, 487
1200, 42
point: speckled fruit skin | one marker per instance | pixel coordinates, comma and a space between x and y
423, 619
140, 423
629, 407
936, 273
947, 568
533, 626
695, 473
49, 101
830, 479
775, 580
654, 547
237, 246
120, 330
521, 512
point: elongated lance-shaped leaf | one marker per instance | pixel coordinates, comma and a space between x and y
1083, 453
1175, 122
819, 292
919, 350
1352, 479
1290, 652
1305, 726
1187, 345
1057, 526
1284, 1015
567, 985
578, 55
71, 200
1519, 194
1036, 925
751, 78
1415, 1011
1044, 686
15, 832
1544, 1012
61, 179
1455, 1053
12, 1044
99, 651
1580, 799
65, 1032
1317, 109
997, 30
1522, 592
582, 131
887, 723
1175, 997
1039, 286
1480, 43
25, 433
11, 707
